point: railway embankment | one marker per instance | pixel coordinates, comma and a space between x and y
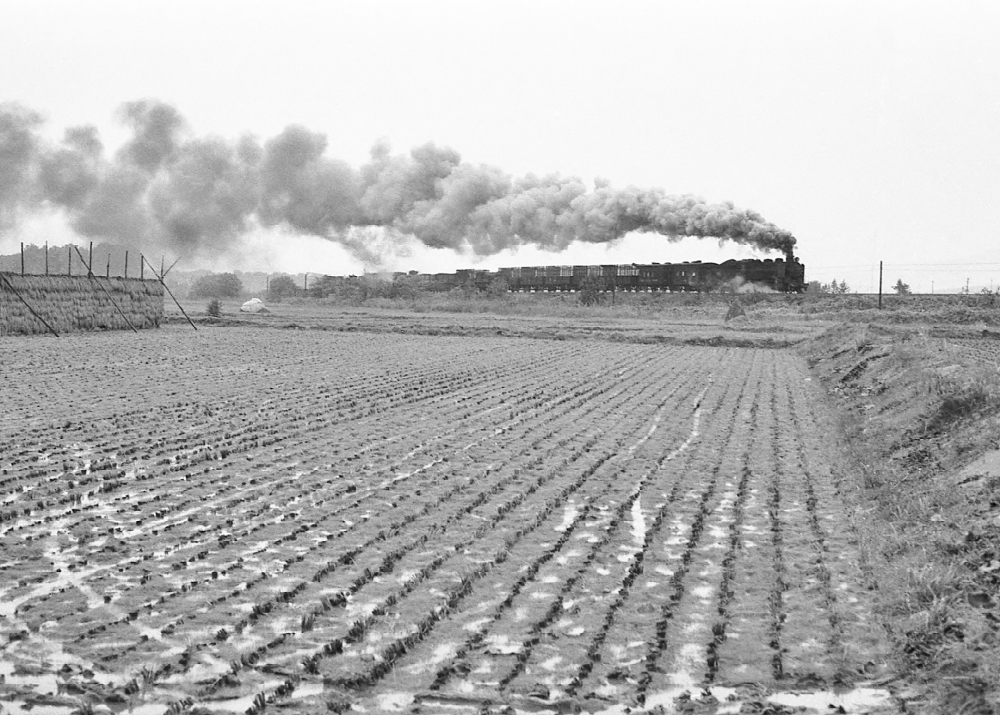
920, 409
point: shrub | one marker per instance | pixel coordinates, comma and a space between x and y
281, 286
590, 292
217, 285
214, 308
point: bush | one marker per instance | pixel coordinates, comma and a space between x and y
281, 286
214, 308
590, 292
217, 285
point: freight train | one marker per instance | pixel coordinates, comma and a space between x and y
785, 276
781, 275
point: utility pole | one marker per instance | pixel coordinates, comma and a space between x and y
880, 285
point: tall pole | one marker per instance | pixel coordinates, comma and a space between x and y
170, 293
22, 258
69, 261
90, 262
880, 285
46, 258
126, 264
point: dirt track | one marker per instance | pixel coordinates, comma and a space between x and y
243, 516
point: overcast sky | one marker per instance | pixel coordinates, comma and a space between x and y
870, 130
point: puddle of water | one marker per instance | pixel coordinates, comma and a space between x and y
394, 702
857, 700
503, 645
443, 652
569, 515
638, 523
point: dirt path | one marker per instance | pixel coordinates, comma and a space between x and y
225, 520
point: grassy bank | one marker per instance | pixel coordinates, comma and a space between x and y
919, 418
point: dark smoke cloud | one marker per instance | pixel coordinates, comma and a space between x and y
116, 209
70, 173
19, 147
303, 188
393, 186
156, 129
208, 195
200, 196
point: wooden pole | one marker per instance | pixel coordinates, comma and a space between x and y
305, 282
126, 264
22, 258
90, 273
172, 295
167, 272
69, 260
120, 311
28, 305
880, 285
108, 270
46, 258
142, 267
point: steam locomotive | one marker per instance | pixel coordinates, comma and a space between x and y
781, 275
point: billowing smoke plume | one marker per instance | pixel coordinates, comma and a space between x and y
199, 196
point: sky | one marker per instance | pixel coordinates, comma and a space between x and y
869, 130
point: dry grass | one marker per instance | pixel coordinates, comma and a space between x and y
911, 420
77, 303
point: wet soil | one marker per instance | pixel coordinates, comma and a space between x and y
239, 519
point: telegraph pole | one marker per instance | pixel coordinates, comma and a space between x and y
880, 285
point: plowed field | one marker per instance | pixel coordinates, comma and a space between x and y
245, 519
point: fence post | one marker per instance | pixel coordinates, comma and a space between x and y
69, 261
22, 258
90, 261
126, 264
46, 258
